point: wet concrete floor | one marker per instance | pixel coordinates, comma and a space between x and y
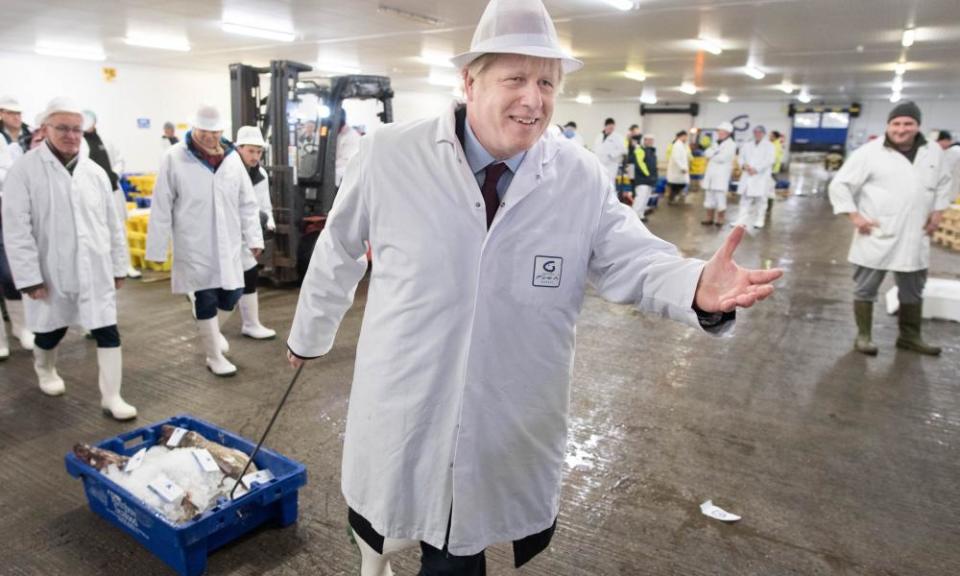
839, 464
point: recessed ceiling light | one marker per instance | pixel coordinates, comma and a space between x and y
710, 46
175, 43
688, 88
635, 75
70, 51
786, 88
900, 68
909, 35
895, 97
583, 98
723, 98
804, 96
620, 4
754, 72
439, 59
256, 32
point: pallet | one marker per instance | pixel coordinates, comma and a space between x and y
951, 241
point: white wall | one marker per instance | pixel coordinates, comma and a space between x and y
157, 94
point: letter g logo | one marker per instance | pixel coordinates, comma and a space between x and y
550, 266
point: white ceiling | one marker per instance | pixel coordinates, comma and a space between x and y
840, 49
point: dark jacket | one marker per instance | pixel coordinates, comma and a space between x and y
650, 161
98, 153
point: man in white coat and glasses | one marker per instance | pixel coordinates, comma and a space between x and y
485, 232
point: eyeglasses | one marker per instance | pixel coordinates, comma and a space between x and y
67, 129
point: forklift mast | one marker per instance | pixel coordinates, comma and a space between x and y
302, 172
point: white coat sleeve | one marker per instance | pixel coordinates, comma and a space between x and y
18, 239
117, 162
845, 186
160, 226
263, 198
337, 265
250, 214
944, 193
118, 234
6, 160
726, 153
710, 152
629, 265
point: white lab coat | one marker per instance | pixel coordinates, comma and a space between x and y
720, 165
610, 151
678, 167
462, 380
213, 218
952, 159
759, 156
9, 153
348, 144
62, 231
262, 191
881, 184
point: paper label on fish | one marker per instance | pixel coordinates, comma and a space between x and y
176, 437
135, 461
260, 477
205, 460
709, 509
165, 488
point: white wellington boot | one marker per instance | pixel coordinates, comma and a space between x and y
110, 361
17, 325
222, 317
209, 333
250, 312
4, 344
45, 365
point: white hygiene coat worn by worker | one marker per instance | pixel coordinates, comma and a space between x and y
951, 156
678, 166
348, 144
261, 189
62, 231
213, 216
760, 156
610, 150
462, 380
720, 157
883, 186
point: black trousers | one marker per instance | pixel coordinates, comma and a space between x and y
250, 279
106, 337
436, 562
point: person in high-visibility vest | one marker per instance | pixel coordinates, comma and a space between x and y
777, 139
644, 175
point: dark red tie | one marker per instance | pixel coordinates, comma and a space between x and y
493, 173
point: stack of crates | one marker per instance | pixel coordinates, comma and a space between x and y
142, 188
137, 242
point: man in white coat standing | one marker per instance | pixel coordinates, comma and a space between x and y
204, 198
716, 181
610, 148
250, 145
894, 191
756, 163
67, 251
485, 233
678, 167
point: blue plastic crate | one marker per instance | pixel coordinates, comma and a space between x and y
143, 202
184, 547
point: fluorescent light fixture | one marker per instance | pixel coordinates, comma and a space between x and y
337, 68
620, 4
786, 88
909, 36
256, 32
723, 98
754, 72
709, 46
895, 97
70, 51
900, 68
583, 98
635, 75
649, 96
438, 59
175, 43
804, 96
443, 79
897, 83
688, 88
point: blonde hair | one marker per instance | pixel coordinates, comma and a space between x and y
480, 65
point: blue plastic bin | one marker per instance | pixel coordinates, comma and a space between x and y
143, 202
184, 547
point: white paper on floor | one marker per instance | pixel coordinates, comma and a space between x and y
941, 299
717, 513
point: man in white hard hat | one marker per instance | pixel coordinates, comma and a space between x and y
250, 145
716, 180
204, 199
756, 168
485, 233
67, 251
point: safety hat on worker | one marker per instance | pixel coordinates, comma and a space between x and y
60, 105
517, 27
249, 136
10, 104
208, 118
726, 127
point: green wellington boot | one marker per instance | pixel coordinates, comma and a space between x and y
863, 312
911, 315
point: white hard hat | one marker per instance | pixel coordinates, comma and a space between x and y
249, 136
10, 104
725, 126
516, 27
208, 118
89, 119
61, 105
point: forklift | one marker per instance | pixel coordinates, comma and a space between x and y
300, 119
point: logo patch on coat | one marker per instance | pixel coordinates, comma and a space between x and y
547, 271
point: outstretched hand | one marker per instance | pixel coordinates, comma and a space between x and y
725, 286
